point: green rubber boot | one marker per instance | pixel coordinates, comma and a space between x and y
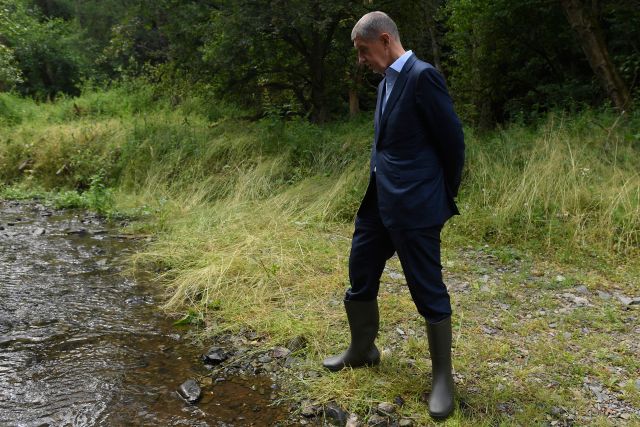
363, 320
441, 397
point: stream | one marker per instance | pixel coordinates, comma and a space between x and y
82, 345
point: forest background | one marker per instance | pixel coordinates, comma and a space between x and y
237, 134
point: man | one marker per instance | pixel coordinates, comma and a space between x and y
415, 172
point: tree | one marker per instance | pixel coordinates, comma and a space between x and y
286, 51
584, 21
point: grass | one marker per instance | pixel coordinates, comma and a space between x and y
252, 225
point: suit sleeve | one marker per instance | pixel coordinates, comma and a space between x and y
442, 123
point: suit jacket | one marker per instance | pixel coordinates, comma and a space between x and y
418, 150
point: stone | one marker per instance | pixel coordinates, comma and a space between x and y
297, 343
394, 275
582, 289
560, 278
378, 421
386, 408
405, 422
604, 295
280, 352
353, 421
399, 401
78, 232
39, 231
335, 414
624, 299
309, 410
638, 384
264, 359
215, 356
190, 391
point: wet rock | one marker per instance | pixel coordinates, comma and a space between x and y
280, 352
215, 356
78, 232
297, 343
335, 414
190, 391
38, 231
378, 421
386, 408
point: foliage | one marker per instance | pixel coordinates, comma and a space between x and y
10, 74
50, 54
294, 55
505, 68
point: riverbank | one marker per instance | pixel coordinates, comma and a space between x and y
251, 225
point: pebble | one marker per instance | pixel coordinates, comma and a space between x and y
39, 231
582, 289
405, 422
297, 343
309, 410
264, 359
190, 391
604, 295
280, 352
386, 408
624, 299
378, 421
335, 414
353, 421
214, 356
399, 401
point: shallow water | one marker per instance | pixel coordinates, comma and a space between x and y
80, 345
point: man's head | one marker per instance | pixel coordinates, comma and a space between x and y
375, 36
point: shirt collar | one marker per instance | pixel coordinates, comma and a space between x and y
397, 65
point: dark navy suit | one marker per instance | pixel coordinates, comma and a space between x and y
415, 171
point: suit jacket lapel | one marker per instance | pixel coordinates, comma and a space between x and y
396, 91
376, 118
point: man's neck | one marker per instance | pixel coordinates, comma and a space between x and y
396, 53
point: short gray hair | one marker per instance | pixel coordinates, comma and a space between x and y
373, 24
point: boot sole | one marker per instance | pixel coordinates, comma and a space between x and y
360, 365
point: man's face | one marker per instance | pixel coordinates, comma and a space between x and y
373, 53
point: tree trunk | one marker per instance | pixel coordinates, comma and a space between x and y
591, 38
354, 102
431, 8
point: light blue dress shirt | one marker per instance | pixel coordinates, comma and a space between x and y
391, 75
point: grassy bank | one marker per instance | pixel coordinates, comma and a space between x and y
252, 224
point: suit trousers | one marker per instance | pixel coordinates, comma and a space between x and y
419, 252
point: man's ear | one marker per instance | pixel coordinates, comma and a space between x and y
385, 38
